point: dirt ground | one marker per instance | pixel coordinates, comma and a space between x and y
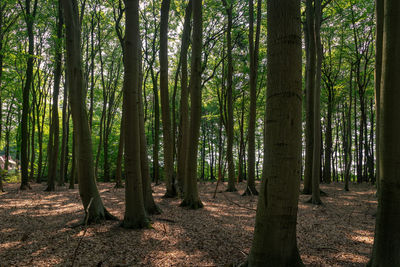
35, 229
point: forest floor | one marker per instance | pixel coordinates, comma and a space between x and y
35, 229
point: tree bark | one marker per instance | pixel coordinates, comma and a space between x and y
85, 169
135, 214
165, 109
184, 103
274, 242
29, 19
229, 129
191, 198
386, 249
54, 131
253, 48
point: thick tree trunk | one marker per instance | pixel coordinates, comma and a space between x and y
191, 198
85, 169
165, 109
274, 242
135, 214
386, 249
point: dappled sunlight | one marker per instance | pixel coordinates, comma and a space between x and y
43, 229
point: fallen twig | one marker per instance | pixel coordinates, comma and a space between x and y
237, 204
84, 232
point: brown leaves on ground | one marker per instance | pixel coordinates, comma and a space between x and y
35, 229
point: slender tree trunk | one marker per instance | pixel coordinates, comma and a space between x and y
274, 242
135, 214
310, 88
184, 103
253, 48
327, 175
29, 19
85, 169
64, 140
379, 15
54, 131
165, 109
316, 173
156, 144
229, 152
118, 171
386, 249
191, 198
148, 200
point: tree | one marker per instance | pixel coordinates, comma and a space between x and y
135, 214
253, 48
54, 128
29, 15
191, 197
229, 129
386, 250
165, 110
184, 103
274, 242
84, 154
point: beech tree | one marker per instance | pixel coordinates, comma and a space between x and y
84, 163
386, 250
165, 109
135, 214
191, 197
274, 242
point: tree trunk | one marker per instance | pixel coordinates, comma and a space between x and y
229, 152
310, 88
379, 15
274, 242
316, 172
54, 131
386, 249
253, 48
135, 214
85, 169
165, 109
29, 19
149, 204
191, 198
184, 104
118, 171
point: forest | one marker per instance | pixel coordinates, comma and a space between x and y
199, 133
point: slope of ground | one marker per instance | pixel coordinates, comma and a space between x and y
35, 229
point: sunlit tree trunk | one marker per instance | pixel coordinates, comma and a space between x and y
54, 131
274, 242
